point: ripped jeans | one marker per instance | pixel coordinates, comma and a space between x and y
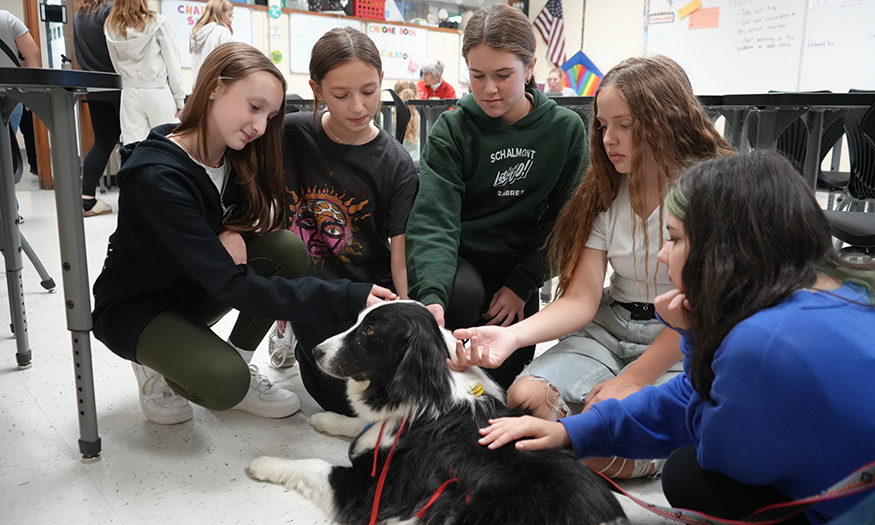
597, 352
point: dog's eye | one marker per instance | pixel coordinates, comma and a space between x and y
369, 330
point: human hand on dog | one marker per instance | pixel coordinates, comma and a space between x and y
437, 311
533, 433
674, 308
490, 346
379, 294
504, 308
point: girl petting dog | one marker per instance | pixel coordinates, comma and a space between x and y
777, 335
349, 189
495, 172
199, 233
647, 125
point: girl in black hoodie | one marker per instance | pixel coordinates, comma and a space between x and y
199, 233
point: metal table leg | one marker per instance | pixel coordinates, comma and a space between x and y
11, 243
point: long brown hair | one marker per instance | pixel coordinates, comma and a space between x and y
212, 13
667, 117
134, 14
86, 6
335, 48
258, 166
502, 28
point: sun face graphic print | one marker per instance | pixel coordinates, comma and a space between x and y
325, 222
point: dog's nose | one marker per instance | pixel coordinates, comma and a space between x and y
318, 352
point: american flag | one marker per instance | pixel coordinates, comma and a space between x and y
549, 23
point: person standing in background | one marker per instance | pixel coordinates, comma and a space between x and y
89, 42
17, 48
141, 47
432, 84
211, 30
554, 85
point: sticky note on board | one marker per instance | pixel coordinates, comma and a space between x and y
689, 8
705, 18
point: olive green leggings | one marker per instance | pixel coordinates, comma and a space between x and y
197, 364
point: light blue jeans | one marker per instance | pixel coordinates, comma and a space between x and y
597, 352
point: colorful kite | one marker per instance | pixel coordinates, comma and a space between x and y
581, 75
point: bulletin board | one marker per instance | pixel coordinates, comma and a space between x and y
305, 30
756, 46
402, 49
182, 15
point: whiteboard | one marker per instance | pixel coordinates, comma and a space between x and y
305, 30
182, 15
740, 46
839, 47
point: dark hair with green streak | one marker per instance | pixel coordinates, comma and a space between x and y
756, 234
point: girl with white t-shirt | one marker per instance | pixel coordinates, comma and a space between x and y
647, 126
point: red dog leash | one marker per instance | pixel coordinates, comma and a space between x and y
860, 480
379, 492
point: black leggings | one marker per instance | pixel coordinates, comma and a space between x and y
105, 123
198, 364
687, 486
472, 292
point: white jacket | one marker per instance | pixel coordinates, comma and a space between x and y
147, 59
209, 37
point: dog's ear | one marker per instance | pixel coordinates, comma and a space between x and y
422, 375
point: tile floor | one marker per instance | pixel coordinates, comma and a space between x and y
147, 474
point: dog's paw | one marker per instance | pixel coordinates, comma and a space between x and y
264, 468
337, 424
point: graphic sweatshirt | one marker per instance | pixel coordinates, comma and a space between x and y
490, 192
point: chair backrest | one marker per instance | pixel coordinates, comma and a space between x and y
867, 126
402, 115
861, 155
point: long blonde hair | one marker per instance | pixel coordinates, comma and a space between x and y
133, 14
212, 13
667, 117
258, 166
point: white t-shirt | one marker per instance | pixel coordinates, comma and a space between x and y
612, 230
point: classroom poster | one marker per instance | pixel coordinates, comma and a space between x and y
402, 49
182, 15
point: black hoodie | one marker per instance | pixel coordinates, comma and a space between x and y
166, 245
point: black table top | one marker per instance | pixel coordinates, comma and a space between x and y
75, 80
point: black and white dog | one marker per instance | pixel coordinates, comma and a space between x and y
420, 459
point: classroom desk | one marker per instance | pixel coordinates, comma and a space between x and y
52, 94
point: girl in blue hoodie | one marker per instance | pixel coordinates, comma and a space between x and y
778, 337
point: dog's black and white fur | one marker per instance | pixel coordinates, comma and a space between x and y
395, 361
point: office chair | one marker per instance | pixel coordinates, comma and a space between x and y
855, 226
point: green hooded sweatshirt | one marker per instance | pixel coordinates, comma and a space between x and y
490, 192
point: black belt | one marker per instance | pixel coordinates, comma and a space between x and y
639, 311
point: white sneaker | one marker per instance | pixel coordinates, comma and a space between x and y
281, 345
157, 400
265, 399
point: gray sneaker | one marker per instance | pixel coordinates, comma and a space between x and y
266, 399
157, 400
